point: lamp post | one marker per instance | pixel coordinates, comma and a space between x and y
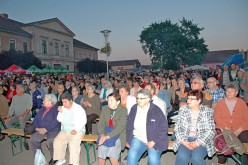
106, 34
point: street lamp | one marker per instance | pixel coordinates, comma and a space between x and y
106, 34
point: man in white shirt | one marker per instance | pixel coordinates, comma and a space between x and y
73, 119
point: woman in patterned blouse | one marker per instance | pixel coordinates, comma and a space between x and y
195, 131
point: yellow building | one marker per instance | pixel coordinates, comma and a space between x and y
50, 40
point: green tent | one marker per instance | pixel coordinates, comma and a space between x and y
61, 70
34, 69
47, 69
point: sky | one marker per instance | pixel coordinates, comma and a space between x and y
225, 22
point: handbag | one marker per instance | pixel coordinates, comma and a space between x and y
226, 142
221, 145
111, 141
233, 141
28, 130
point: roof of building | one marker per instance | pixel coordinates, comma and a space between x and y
219, 56
123, 62
80, 44
11, 26
50, 20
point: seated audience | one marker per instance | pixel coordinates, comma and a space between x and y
46, 125
194, 131
146, 130
114, 116
232, 113
73, 119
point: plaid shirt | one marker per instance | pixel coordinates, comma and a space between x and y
205, 128
216, 95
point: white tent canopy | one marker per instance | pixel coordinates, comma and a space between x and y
197, 67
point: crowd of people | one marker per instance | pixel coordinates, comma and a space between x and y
134, 110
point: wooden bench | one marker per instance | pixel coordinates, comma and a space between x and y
170, 131
16, 134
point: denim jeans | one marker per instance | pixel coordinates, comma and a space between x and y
197, 155
136, 150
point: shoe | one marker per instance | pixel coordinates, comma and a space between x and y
52, 162
61, 162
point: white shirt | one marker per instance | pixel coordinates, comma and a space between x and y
73, 118
160, 103
130, 102
139, 131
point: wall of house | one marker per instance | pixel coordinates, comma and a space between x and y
51, 37
82, 53
5, 38
126, 67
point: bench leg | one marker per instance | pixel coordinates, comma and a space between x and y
13, 139
87, 147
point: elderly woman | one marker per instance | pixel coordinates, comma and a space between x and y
105, 91
195, 131
77, 98
146, 130
232, 113
113, 116
46, 125
91, 104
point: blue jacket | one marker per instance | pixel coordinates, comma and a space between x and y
156, 127
50, 121
36, 99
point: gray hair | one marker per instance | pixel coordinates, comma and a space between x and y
52, 98
91, 86
109, 84
78, 90
145, 92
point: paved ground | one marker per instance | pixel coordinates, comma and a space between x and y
27, 157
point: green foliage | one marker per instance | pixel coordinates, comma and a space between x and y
106, 50
91, 66
22, 59
173, 44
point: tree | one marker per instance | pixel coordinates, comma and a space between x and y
171, 44
22, 59
91, 66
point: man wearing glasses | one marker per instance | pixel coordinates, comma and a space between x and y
197, 84
215, 92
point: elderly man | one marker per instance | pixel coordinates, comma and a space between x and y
155, 99
19, 108
197, 84
215, 92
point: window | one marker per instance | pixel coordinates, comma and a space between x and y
56, 49
44, 47
67, 67
12, 44
25, 46
56, 66
67, 51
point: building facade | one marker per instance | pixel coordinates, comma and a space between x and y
50, 40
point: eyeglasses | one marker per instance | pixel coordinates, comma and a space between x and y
195, 83
191, 98
141, 98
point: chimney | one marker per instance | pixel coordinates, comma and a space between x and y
4, 15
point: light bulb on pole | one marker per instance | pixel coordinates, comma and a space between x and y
106, 35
